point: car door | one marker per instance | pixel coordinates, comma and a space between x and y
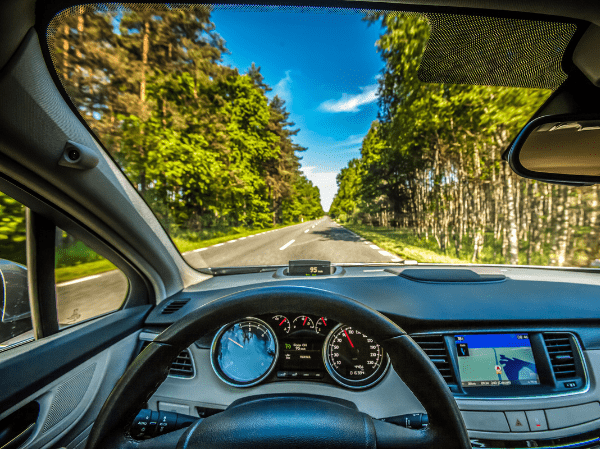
63, 348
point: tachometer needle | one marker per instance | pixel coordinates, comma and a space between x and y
233, 341
348, 337
283, 321
305, 318
323, 321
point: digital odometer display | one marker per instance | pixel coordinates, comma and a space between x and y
496, 360
354, 359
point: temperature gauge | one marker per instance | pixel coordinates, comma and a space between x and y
303, 322
281, 322
321, 326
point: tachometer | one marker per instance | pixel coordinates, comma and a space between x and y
244, 353
303, 322
353, 359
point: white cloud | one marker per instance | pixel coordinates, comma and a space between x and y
282, 88
351, 103
325, 181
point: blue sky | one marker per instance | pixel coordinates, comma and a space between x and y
325, 66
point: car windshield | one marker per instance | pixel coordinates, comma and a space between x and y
260, 135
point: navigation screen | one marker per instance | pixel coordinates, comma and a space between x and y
496, 360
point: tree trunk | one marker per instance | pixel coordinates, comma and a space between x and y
513, 238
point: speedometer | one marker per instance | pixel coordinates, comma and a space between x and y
353, 359
244, 353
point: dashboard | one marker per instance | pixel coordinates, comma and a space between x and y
519, 350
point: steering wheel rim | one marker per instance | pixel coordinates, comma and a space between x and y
151, 367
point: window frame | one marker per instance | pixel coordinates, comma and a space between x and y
42, 218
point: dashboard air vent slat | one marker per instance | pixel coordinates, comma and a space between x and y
435, 348
182, 366
561, 355
174, 306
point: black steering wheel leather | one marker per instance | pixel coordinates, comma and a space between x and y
265, 421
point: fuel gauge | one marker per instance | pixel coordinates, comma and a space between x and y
303, 322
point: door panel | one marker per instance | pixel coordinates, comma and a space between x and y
69, 375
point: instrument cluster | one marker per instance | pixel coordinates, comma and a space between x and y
283, 347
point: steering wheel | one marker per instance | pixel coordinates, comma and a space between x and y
283, 421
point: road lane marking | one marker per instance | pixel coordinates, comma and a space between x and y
374, 246
306, 231
219, 244
231, 241
242, 238
286, 245
250, 236
199, 249
76, 281
396, 259
385, 253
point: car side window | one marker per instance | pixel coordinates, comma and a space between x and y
87, 284
15, 319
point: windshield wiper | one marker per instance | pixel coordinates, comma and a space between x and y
225, 271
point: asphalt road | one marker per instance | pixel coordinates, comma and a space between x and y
322, 239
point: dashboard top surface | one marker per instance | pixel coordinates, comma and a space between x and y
526, 296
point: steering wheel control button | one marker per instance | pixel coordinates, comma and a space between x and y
537, 420
517, 421
559, 418
486, 421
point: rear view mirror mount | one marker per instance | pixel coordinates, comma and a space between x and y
559, 149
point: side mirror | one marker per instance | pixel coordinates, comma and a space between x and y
14, 300
561, 149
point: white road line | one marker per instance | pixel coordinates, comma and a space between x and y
231, 241
250, 236
385, 253
76, 281
374, 246
306, 231
396, 259
199, 249
286, 245
367, 243
242, 238
219, 244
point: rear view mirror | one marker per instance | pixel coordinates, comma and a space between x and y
14, 300
558, 149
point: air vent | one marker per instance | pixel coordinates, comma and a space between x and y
182, 366
435, 347
561, 355
174, 306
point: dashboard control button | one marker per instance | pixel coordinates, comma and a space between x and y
570, 384
537, 420
559, 418
486, 421
517, 421
293, 374
306, 375
282, 374
175, 408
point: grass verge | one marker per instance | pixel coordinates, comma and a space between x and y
183, 244
404, 244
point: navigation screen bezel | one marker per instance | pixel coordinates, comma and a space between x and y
494, 341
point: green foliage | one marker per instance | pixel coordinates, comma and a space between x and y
12, 230
202, 143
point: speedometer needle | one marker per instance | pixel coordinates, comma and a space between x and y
348, 337
233, 341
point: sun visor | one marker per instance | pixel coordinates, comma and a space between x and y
495, 51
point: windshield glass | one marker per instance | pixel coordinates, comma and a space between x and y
259, 135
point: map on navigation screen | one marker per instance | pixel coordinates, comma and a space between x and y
496, 360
